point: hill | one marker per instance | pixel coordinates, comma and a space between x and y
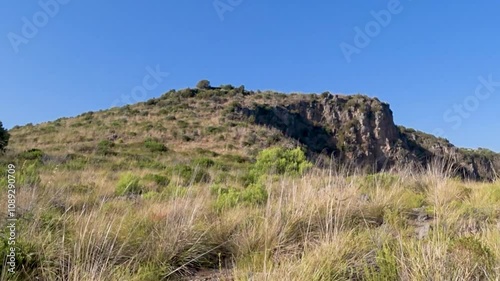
353, 130
229, 184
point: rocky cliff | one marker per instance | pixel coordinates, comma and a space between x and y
360, 131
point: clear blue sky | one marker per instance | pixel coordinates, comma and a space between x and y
425, 61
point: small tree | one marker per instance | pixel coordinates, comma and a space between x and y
203, 84
4, 137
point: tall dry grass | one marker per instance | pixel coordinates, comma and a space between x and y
326, 225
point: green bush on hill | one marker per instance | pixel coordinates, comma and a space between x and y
128, 184
203, 84
189, 175
155, 146
32, 154
281, 161
229, 197
105, 147
271, 161
160, 180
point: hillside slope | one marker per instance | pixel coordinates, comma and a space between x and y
199, 185
355, 130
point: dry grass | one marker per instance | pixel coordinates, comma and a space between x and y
329, 224
323, 226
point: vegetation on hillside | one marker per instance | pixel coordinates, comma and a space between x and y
186, 186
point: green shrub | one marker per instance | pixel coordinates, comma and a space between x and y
204, 162
128, 184
159, 180
155, 146
105, 147
407, 200
231, 108
203, 84
152, 102
229, 197
189, 175
226, 197
278, 160
254, 194
32, 154
227, 87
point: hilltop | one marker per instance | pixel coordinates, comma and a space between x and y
354, 130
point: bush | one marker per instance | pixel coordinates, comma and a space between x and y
4, 137
227, 87
152, 102
228, 197
155, 146
203, 84
189, 175
105, 147
32, 154
159, 180
281, 161
255, 194
128, 184
204, 162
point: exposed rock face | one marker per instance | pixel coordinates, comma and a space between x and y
361, 131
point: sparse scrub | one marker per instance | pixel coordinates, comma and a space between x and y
220, 205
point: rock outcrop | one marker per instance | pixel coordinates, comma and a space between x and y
361, 131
